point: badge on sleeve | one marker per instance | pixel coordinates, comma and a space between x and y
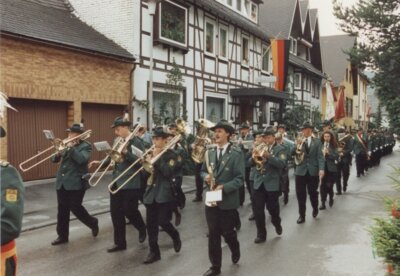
171, 162
11, 195
282, 156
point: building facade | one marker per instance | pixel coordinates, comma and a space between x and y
218, 47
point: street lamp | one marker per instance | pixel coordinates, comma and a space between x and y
152, 11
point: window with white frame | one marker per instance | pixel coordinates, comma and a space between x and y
265, 58
297, 80
166, 105
293, 46
223, 41
215, 109
173, 23
254, 12
245, 50
209, 38
247, 6
239, 5
229, 2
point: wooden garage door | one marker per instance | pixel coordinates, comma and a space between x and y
99, 118
25, 133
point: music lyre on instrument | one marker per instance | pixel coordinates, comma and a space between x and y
299, 156
114, 154
59, 146
147, 163
212, 196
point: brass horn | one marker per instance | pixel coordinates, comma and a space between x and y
59, 146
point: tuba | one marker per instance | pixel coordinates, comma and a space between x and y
181, 127
202, 140
299, 156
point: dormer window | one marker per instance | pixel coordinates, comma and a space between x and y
247, 8
293, 46
254, 12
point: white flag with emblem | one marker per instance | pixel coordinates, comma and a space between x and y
330, 102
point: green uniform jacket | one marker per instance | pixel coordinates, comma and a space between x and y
358, 148
129, 158
162, 189
313, 160
331, 159
230, 174
269, 178
12, 202
74, 164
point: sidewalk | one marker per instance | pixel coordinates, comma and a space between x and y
41, 201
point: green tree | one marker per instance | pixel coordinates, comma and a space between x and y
377, 24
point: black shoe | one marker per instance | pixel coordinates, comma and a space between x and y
197, 199
331, 202
178, 218
301, 220
116, 248
177, 244
315, 213
236, 255
358, 175
252, 217
59, 240
323, 207
285, 199
260, 239
212, 272
345, 188
238, 226
142, 235
151, 258
339, 193
278, 229
95, 229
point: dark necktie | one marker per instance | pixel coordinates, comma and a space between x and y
219, 157
307, 147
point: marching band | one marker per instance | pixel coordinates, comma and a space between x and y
151, 171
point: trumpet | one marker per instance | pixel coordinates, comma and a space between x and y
59, 145
299, 157
258, 157
325, 150
115, 154
147, 164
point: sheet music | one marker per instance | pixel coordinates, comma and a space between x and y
102, 146
212, 197
136, 151
49, 134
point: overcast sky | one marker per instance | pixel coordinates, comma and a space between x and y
327, 21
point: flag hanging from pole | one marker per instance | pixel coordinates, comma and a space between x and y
280, 60
340, 111
330, 102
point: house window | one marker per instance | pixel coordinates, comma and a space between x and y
247, 8
215, 109
293, 46
245, 51
223, 42
229, 2
173, 22
265, 58
166, 105
297, 81
210, 38
239, 5
254, 12
308, 54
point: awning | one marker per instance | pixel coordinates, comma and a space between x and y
267, 92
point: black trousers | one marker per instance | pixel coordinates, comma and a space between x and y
124, 204
270, 200
361, 163
199, 181
247, 179
159, 214
343, 171
304, 184
327, 185
284, 180
181, 198
71, 201
220, 223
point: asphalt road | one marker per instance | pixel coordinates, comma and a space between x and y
337, 242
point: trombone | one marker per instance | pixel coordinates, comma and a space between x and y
115, 154
59, 145
146, 164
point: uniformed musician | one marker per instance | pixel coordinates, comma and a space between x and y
267, 184
245, 135
361, 150
289, 146
12, 207
71, 186
331, 156
226, 164
125, 203
257, 140
308, 171
160, 197
344, 162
